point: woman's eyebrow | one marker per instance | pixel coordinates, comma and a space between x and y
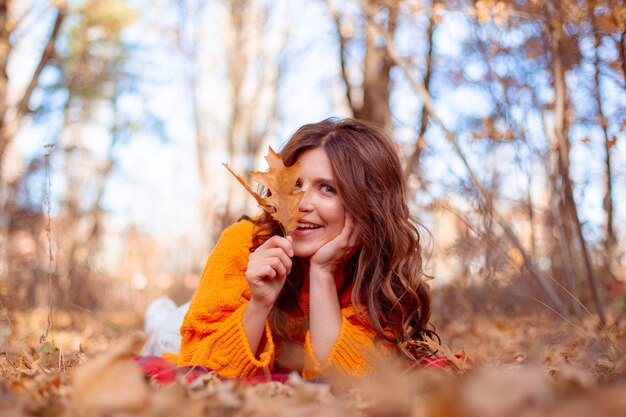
324, 181
328, 181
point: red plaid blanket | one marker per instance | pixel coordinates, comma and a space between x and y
163, 371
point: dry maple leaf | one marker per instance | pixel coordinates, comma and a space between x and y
283, 201
243, 182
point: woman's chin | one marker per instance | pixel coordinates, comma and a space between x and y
302, 255
304, 252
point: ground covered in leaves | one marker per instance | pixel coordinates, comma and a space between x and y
524, 364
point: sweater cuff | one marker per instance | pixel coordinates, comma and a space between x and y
238, 360
348, 356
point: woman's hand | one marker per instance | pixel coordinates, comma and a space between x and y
324, 309
335, 252
268, 267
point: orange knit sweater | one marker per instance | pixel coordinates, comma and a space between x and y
213, 335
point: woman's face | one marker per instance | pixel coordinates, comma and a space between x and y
321, 208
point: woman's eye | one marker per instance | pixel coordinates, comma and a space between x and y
298, 184
328, 189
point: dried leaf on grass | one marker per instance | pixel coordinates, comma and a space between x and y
283, 202
111, 382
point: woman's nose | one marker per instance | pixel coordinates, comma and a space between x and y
306, 203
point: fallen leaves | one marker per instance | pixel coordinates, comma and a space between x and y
522, 365
283, 201
111, 382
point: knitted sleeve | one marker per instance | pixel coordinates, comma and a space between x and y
212, 331
357, 350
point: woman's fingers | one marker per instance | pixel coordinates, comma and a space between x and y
348, 227
278, 266
278, 242
267, 267
271, 259
347, 235
353, 237
278, 254
350, 238
267, 272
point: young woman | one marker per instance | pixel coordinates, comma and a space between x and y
345, 288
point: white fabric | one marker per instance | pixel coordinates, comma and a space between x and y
162, 326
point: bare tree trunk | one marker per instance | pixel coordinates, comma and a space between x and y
413, 164
565, 246
531, 217
376, 77
5, 49
237, 64
93, 235
82, 292
11, 117
69, 275
207, 208
188, 43
268, 85
376, 66
342, 57
22, 107
610, 240
615, 6
47, 54
488, 236
561, 134
564, 241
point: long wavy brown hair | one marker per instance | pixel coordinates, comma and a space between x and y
387, 279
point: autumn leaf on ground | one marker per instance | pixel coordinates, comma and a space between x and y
110, 383
282, 203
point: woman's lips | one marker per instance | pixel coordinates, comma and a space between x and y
306, 231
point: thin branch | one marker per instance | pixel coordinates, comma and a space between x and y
16, 29
560, 90
46, 55
610, 237
621, 38
413, 161
342, 55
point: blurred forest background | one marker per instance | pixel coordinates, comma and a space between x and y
115, 116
